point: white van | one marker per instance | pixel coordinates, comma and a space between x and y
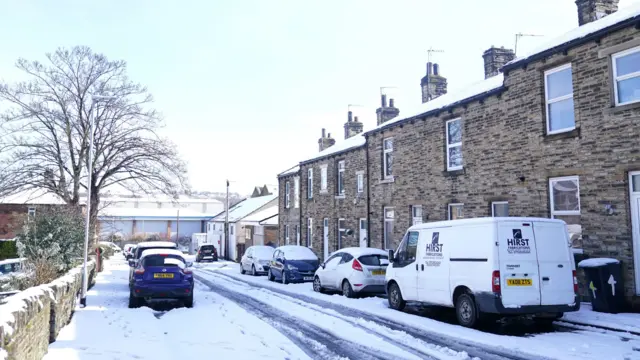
480, 266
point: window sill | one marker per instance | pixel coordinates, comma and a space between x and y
324, 191
573, 133
456, 172
339, 196
614, 110
387, 180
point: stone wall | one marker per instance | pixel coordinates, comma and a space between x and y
32, 319
287, 216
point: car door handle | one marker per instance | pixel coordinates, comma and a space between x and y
545, 278
416, 267
422, 267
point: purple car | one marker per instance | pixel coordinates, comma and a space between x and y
161, 274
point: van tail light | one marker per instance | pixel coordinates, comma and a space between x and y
139, 271
575, 282
495, 282
356, 265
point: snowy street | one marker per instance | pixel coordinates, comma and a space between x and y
244, 317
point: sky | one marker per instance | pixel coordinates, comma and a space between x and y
245, 86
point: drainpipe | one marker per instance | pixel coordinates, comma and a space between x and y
366, 144
300, 197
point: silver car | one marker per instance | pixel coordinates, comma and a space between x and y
256, 260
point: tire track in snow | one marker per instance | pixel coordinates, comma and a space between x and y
313, 340
479, 350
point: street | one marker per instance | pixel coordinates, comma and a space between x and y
244, 317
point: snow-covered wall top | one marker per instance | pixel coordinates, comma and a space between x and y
348, 144
290, 171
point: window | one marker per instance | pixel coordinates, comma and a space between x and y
323, 178
406, 253
231, 229
455, 211
388, 227
387, 158
340, 178
454, 144
342, 230
372, 260
296, 229
287, 195
416, 214
309, 232
31, 211
360, 182
558, 89
296, 192
565, 196
626, 73
346, 258
286, 234
500, 208
247, 232
310, 184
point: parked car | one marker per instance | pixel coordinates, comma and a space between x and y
161, 274
207, 252
147, 245
256, 260
292, 263
11, 266
353, 271
116, 248
127, 250
486, 267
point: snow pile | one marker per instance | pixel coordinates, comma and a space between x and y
597, 262
294, 252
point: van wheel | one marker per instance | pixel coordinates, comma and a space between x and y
395, 297
347, 291
466, 311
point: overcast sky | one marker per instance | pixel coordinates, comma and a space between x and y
245, 86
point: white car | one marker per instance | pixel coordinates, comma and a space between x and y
256, 260
126, 251
116, 248
353, 271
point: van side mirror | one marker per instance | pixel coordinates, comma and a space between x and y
391, 258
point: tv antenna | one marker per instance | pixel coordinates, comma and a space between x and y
518, 36
431, 51
386, 87
352, 105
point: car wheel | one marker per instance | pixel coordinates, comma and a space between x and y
270, 276
241, 269
134, 302
188, 302
317, 285
395, 297
466, 311
347, 291
284, 278
253, 270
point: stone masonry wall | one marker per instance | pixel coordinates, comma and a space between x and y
32, 319
287, 216
327, 204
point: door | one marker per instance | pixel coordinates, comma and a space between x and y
555, 261
634, 192
519, 275
363, 232
246, 259
405, 267
329, 273
325, 238
433, 259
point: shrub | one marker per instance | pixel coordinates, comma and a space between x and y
8, 250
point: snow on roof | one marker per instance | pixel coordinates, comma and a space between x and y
348, 144
597, 262
161, 252
621, 15
295, 252
480, 220
290, 171
167, 244
262, 214
245, 208
170, 213
448, 99
34, 197
270, 221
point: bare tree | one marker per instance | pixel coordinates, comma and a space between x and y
44, 131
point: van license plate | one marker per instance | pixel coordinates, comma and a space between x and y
162, 276
378, 272
519, 282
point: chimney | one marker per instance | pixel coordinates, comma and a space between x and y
386, 113
384, 100
349, 116
494, 59
325, 141
433, 84
390, 102
592, 10
352, 127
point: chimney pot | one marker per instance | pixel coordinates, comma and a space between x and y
349, 116
384, 100
329, 135
436, 69
390, 102
323, 132
355, 119
429, 68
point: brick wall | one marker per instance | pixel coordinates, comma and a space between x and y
12, 218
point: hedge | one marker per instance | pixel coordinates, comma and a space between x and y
8, 250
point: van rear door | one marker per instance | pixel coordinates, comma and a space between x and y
519, 276
555, 262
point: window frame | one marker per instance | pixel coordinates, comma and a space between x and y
309, 232
324, 184
386, 242
493, 209
451, 205
617, 78
286, 234
287, 195
553, 212
449, 146
340, 190
296, 192
413, 215
310, 183
548, 102
31, 211
385, 151
296, 229
342, 230
359, 182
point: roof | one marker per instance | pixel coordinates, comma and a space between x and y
358, 251
339, 147
290, 171
270, 221
160, 252
162, 213
479, 89
621, 18
262, 214
156, 243
245, 208
35, 197
481, 220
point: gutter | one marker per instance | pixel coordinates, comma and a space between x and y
333, 154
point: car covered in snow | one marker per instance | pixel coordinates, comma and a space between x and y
353, 271
292, 263
147, 245
256, 260
161, 274
127, 250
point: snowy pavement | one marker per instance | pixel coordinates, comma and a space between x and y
564, 341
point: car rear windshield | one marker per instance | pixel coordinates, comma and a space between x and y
207, 247
158, 260
141, 249
372, 260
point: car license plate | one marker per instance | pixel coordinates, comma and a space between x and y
378, 272
162, 276
308, 278
519, 282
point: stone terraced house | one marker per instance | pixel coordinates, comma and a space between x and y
553, 133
